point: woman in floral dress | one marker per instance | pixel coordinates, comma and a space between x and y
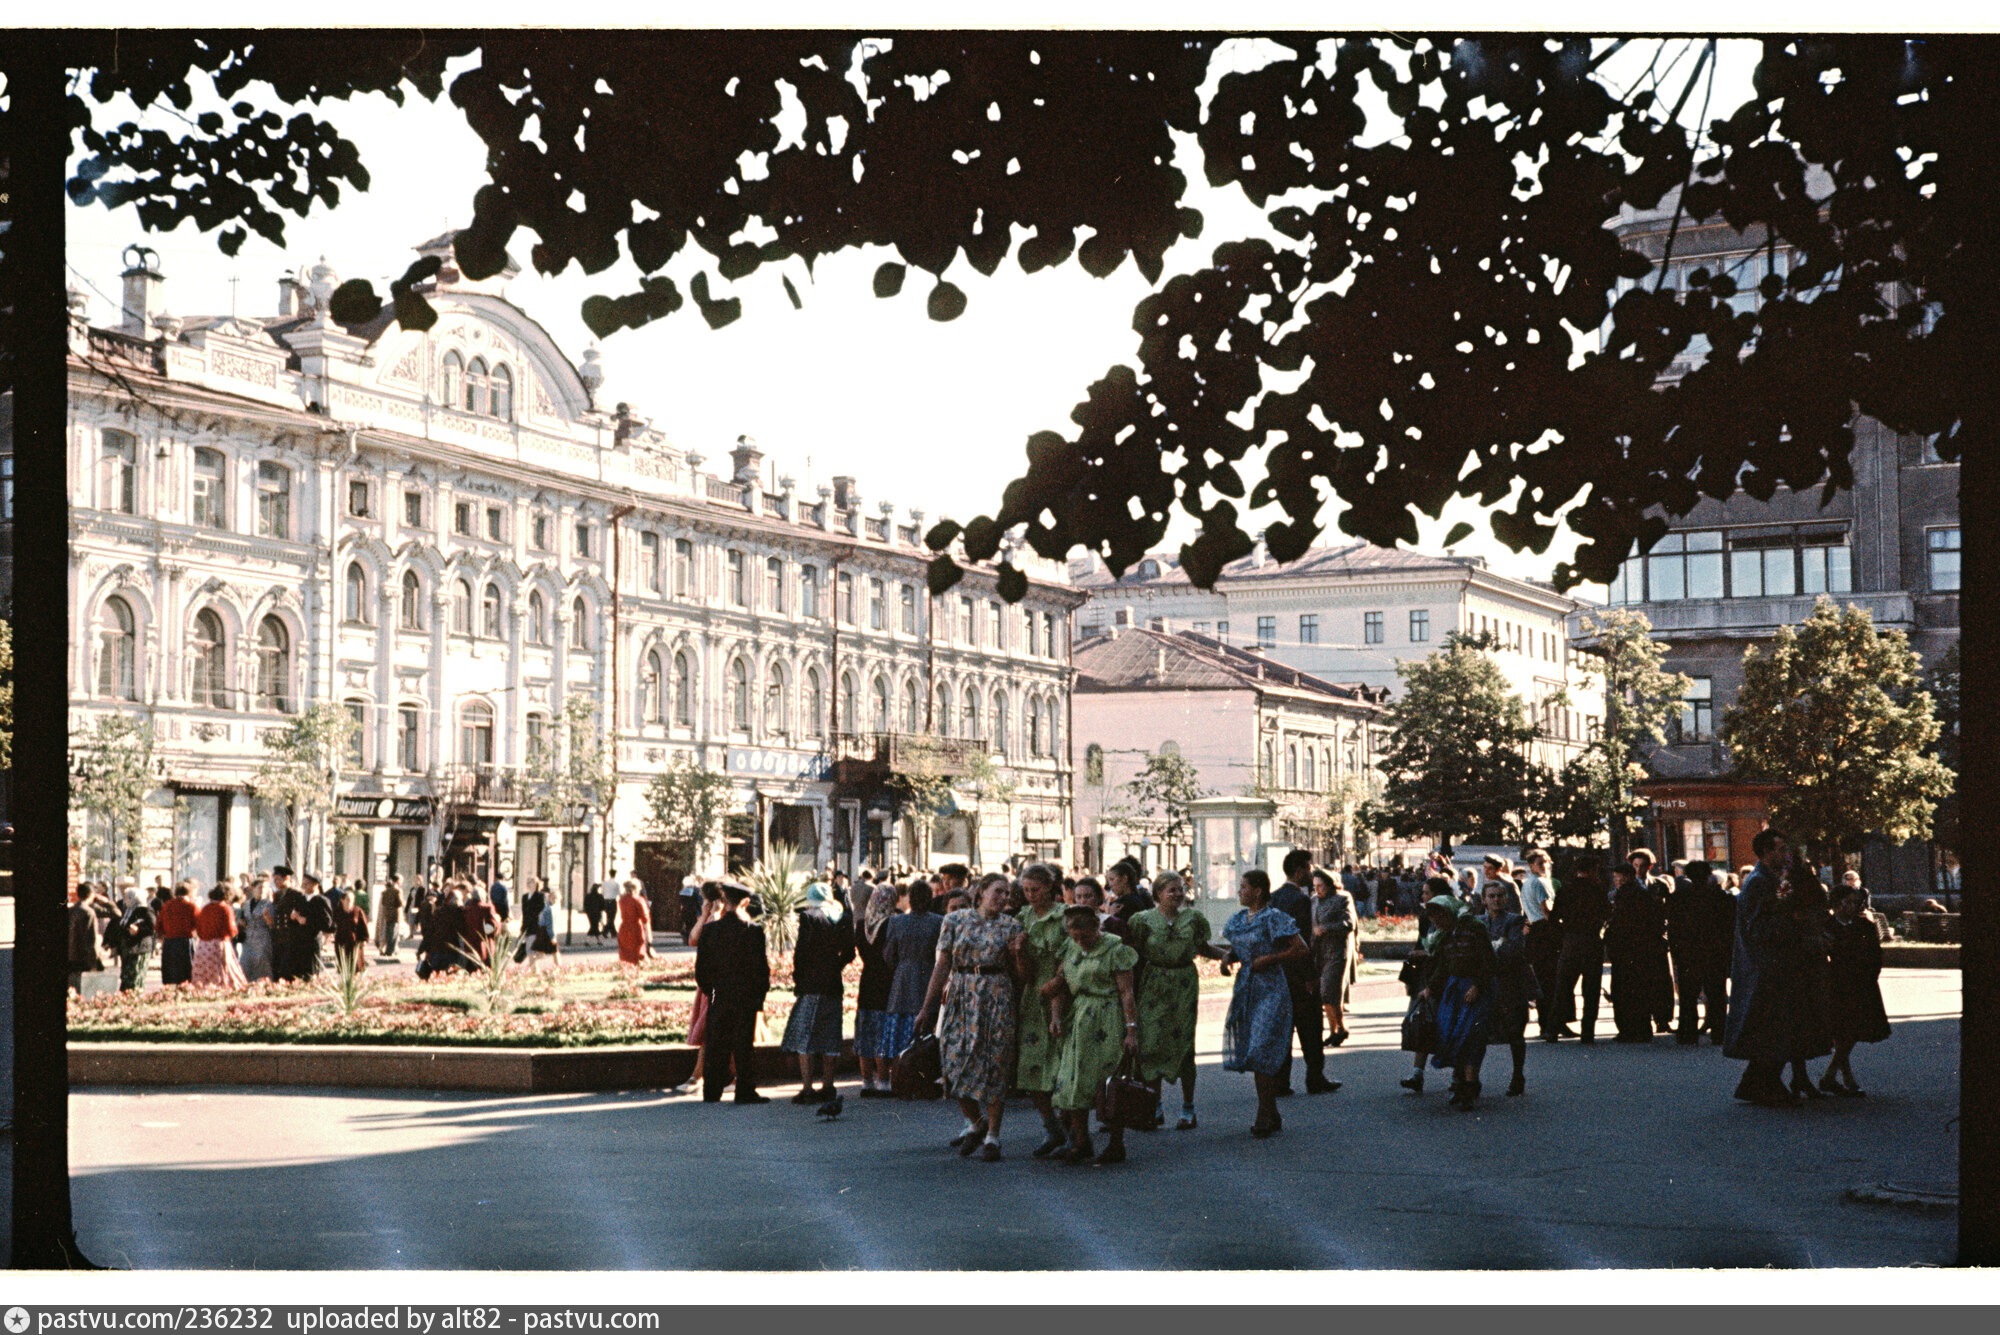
1037, 952
1257, 1036
1096, 1017
214, 956
975, 977
1168, 937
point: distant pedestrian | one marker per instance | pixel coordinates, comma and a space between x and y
1635, 941
1701, 928
538, 931
1854, 967
253, 919
350, 930
1037, 955
909, 948
731, 967
176, 920
1307, 1020
88, 914
593, 910
387, 910
501, 898
714, 905
1766, 991
825, 945
215, 963
1257, 1035
130, 937
1414, 976
1580, 909
635, 925
480, 927
1514, 983
871, 1039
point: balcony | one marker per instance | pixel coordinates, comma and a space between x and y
1757, 618
479, 786
870, 757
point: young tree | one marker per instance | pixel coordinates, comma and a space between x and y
112, 774
575, 770
1835, 714
1457, 762
1156, 800
1642, 701
922, 782
302, 771
687, 805
982, 782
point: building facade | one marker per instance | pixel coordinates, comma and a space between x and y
443, 533
1244, 726
1352, 613
1729, 573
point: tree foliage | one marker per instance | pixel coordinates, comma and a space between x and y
302, 765
575, 770
1431, 300
1642, 701
1944, 683
113, 773
686, 805
1155, 804
1457, 764
1834, 713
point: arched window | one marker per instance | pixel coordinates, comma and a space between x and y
1292, 765
913, 708
500, 398
1000, 739
1052, 734
969, 719
210, 509
739, 696
815, 705
491, 621
211, 667
538, 618
357, 593
475, 386
1093, 765
274, 666
774, 703
943, 719
452, 383
1034, 708
121, 472
1312, 773
461, 607
847, 722
1268, 772
579, 617
650, 682
413, 601
475, 734
683, 691
117, 651
878, 713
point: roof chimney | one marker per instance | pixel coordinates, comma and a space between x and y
747, 458
143, 281
845, 497
291, 294
1160, 660
1260, 555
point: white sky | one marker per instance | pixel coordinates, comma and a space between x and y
927, 415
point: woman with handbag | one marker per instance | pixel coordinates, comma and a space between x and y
1257, 1036
1461, 983
1420, 1020
1169, 937
1095, 1016
1333, 918
975, 1030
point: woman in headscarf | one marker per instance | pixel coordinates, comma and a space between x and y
1257, 1036
1461, 983
1513, 981
635, 925
825, 945
871, 1036
130, 937
1416, 972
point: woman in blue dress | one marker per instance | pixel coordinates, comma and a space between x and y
1461, 984
1257, 1037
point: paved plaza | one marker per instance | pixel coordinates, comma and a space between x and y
1617, 1157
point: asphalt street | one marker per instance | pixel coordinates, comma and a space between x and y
1617, 1156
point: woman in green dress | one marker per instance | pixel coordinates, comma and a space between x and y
1169, 937
1092, 993
1037, 951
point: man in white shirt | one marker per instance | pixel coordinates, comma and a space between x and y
1544, 936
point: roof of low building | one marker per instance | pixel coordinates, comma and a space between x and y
1151, 660
1355, 558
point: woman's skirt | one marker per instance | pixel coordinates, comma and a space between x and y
898, 1032
698, 1026
871, 1034
1257, 1035
814, 1027
1330, 953
1462, 1025
215, 966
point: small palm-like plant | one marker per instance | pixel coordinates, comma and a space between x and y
780, 886
347, 987
495, 973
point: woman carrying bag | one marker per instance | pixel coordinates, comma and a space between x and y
1420, 1020
1095, 1015
1461, 983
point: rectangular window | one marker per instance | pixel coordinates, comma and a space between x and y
493, 523
357, 498
209, 471
121, 471
461, 518
1222, 630
1697, 721
1049, 643
274, 500
1371, 628
1199, 628
844, 599
413, 509
1420, 626
357, 736
7, 488
997, 624
1944, 558
583, 540
1825, 568
406, 736
649, 560
1704, 564
739, 591
540, 529
967, 614
1267, 631
909, 609
878, 605
1157, 624
1309, 628
774, 585
809, 591
683, 567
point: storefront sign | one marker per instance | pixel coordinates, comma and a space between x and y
384, 810
760, 761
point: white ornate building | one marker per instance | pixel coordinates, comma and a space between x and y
441, 531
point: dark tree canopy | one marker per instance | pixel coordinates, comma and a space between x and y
1429, 293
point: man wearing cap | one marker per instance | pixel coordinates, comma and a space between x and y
731, 967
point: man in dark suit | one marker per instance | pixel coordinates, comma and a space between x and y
1701, 931
289, 919
1307, 1018
731, 967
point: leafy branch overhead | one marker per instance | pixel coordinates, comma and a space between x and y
1442, 311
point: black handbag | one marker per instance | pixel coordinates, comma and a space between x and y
918, 1072
1411, 975
1123, 1099
1420, 1027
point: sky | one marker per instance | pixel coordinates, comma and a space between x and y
929, 416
